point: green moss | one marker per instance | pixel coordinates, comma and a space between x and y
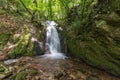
3, 39
38, 36
23, 47
23, 75
2, 12
20, 48
100, 58
4, 69
32, 72
29, 51
113, 51
94, 54
14, 39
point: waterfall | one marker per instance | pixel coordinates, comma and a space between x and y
53, 49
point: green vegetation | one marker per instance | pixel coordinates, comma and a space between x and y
3, 39
24, 46
23, 75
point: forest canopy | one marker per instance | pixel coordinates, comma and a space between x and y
49, 9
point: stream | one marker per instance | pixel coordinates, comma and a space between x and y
60, 69
69, 69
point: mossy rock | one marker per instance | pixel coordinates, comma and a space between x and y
94, 54
3, 39
14, 39
2, 69
24, 47
23, 75
5, 70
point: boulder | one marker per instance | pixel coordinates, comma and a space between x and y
23, 47
101, 46
37, 50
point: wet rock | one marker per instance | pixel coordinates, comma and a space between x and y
59, 74
37, 49
11, 61
2, 76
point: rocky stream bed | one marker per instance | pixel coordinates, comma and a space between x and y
38, 68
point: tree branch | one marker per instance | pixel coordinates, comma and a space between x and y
26, 8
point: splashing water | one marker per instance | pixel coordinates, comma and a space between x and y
53, 42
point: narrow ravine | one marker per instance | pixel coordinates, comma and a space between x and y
59, 39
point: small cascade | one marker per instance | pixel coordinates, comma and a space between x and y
53, 49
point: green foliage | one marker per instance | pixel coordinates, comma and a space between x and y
58, 9
47, 9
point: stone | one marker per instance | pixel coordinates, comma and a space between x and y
2, 76
59, 74
11, 61
23, 47
37, 49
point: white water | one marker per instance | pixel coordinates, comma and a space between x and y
53, 42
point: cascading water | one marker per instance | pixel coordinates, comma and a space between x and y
53, 42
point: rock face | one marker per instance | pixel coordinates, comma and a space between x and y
4, 37
37, 50
100, 47
16, 38
24, 46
